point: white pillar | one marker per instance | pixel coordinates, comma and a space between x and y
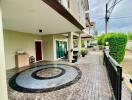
79, 43
85, 42
70, 46
3, 83
89, 29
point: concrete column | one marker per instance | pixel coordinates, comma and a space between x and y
85, 43
79, 43
89, 29
70, 46
3, 83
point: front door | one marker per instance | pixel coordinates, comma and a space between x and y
38, 47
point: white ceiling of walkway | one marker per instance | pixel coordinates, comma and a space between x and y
32, 15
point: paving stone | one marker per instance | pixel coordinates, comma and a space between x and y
93, 85
126, 94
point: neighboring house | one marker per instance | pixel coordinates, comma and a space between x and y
86, 38
44, 29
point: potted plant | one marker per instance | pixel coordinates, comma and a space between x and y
84, 52
100, 47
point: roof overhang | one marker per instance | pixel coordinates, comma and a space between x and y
62, 11
31, 15
86, 36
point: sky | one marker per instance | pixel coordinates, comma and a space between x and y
116, 23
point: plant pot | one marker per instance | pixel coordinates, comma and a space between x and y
83, 55
100, 48
75, 57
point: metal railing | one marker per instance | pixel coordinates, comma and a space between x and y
115, 74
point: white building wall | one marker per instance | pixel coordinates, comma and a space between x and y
3, 83
48, 49
14, 41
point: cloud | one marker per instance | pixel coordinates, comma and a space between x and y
123, 9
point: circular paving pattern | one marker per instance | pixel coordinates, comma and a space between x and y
48, 73
45, 78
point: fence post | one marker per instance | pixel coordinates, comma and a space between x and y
103, 57
119, 70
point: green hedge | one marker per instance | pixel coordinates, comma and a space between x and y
130, 36
100, 38
117, 44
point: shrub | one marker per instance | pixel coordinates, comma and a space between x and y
84, 51
100, 38
100, 47
130, 36
82, 44
117, 43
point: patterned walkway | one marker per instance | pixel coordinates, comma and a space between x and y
95, 76
126, 94
93, 85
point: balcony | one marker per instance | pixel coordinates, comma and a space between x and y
76, 9
69, 12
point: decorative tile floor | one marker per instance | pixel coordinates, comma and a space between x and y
27, 81
93, 85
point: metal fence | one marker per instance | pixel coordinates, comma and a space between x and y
115, 74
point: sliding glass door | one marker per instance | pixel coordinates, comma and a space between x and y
61, 49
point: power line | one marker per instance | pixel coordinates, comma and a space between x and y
114, 4
108, 2
112, 8
109, 12
125, 17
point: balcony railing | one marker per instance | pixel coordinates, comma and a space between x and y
115, 74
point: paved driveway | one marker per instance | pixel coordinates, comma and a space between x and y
93, 85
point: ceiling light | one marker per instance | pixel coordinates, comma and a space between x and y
40, 30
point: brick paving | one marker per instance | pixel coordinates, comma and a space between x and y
126, 93
93, 85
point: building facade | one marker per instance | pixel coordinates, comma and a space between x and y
44, 29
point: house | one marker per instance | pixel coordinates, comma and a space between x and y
44, 29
